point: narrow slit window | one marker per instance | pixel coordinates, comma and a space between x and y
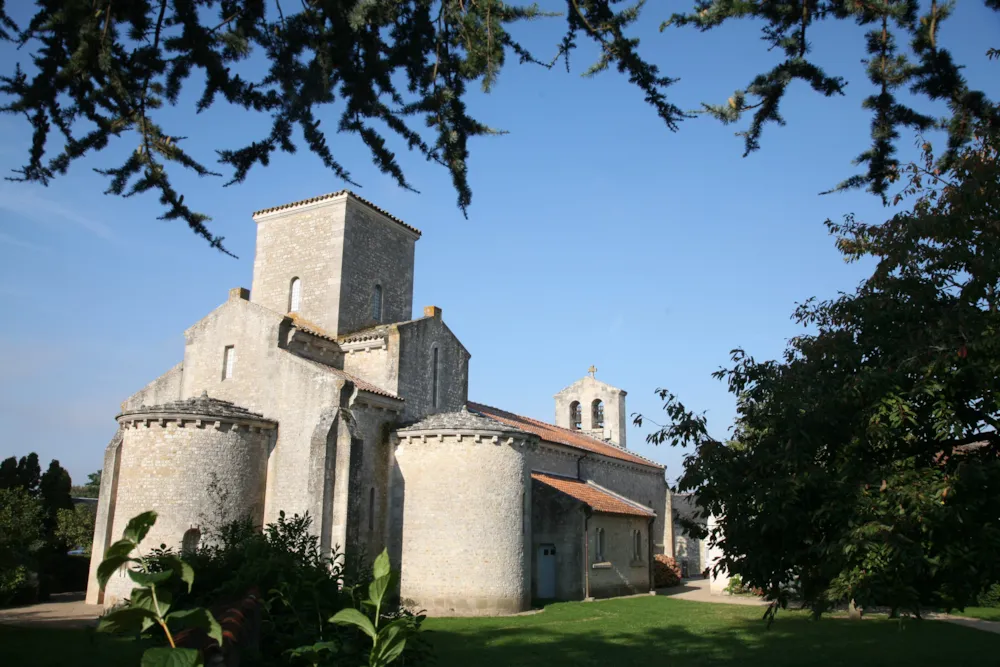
371, 508
434, 378
228, 362
294, 295
377, 303
599, 547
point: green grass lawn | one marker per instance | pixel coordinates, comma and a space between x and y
646, 631
659, 631
985, 613
57, 647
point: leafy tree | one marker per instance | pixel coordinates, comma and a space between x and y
867, 468
21, 474
92, 489
20, 540
8, 473
75, 527
54, 488
101, 69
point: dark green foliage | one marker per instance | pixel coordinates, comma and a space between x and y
399, 71
927, 70
92, 489
24, 474
20, 541
990, 597
46, 567
867, 461
151, 608
392, 68
75, 527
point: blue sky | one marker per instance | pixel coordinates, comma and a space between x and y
595, 236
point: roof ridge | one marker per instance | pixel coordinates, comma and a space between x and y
573, 434
334, 195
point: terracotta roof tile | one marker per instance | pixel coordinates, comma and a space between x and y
593, 496
334, 195
562, 436
309, 327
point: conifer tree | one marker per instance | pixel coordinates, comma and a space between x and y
397, 73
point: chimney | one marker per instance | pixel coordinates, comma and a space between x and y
239, 293
432, 311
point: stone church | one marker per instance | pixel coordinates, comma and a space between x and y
316, 391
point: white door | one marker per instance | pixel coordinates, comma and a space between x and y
547, 571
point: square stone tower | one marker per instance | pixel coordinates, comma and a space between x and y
594, 408
336, 261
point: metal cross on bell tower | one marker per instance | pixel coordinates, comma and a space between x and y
593, 371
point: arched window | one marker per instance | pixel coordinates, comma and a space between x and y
377, 303
189, 544
294, 295
597, 413
637, 545
434, 377
575, 415
599, 545
371, 508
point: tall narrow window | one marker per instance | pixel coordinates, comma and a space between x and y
371, 508
294, 295
377, 303
434, 377
597, 413
636, 545
599, 545
575, 415
228, 361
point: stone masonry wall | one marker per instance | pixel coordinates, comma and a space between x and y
558, 520
378, 251
646, 486
169, 468
306, 242
619, 573
293, 391
417, 341
463, 526
586, 391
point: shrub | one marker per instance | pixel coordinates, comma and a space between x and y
666, 572
990, 597
20, 543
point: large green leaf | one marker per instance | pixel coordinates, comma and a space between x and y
172, 657
150, 578
354, 617
381, 566
120, 548
378, 588
143, 598
138, 526
390, 644
181, 567
197, 618
108, 567
128, 619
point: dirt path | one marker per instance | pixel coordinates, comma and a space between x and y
697, 590
64, 610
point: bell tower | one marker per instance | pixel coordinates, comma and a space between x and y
337, 261
594, 408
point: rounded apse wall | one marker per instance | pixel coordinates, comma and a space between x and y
193, 462
463, 523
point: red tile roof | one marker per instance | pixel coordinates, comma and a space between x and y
593, 496
334, 195
562, 436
